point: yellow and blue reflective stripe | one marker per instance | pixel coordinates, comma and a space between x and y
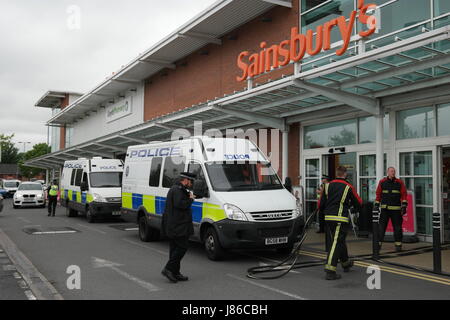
156, 205
76, 196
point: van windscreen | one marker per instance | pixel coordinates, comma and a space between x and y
242, 176
106, 179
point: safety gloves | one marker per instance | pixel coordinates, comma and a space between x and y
403, 209
376, 207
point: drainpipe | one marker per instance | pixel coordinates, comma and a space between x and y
285, 155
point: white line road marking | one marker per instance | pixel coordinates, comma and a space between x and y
291, 295
54, 232
91, 228
146, 247
131, 229
9, 267
101, 263
30, 295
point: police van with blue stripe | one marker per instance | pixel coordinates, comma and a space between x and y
92, 187
240, 201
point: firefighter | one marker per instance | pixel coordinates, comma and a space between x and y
337, 198
391, 197
177, 224
52, 195
325, 180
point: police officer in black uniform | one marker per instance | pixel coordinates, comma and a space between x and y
337, 198
177, 224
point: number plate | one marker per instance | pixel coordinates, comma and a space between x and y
270, 241
116, 213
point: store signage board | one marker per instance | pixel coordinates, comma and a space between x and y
409, 219
295, 48
119, 110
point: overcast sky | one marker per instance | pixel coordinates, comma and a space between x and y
41, 50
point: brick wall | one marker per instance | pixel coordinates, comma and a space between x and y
205, 77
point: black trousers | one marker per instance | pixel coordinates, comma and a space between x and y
397, 222
178, 248
337, 232
52, 201
321, 221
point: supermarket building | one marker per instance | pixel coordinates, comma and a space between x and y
364, 84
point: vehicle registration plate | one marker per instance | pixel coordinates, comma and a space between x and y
270, 241
116, 213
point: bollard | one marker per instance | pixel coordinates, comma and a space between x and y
375, 234
437, 258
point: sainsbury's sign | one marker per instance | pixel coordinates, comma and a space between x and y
295, 48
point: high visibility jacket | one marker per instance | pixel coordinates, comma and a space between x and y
53, 191
391, 194
337, 198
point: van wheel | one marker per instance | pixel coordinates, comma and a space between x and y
89, 216
214, 250
70, 212
145, 233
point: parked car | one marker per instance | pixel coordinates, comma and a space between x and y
29, 194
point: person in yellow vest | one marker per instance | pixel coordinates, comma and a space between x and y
52, 195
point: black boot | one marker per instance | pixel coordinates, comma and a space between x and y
169, 275
332, 276
347, 265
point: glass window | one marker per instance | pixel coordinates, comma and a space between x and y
309, 4
393, 16
312, 168
173, 166
339, 133
415, 123
155, 172
367, 165
242, 176
423, 163
31, 187
367, 130
368, 189
443, 118
106, 179
367, 176
405, 164
331, 10
196, 169
441, 7
72, 178
78, 177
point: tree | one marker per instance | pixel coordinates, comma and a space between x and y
38, 150
9, 153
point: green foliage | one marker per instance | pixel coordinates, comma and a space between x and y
9, 153
38, 150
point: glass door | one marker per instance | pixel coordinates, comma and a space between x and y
416, 170
312, 183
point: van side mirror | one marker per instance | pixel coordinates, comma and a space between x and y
288, 184
84, 186
200, 189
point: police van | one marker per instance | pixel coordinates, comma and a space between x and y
92, 187
240, 200
10, 186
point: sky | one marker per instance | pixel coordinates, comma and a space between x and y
72, 46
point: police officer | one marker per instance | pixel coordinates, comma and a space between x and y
52, 195
337, 198
177, 224
325, 180
391, 196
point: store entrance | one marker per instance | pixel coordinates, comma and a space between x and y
331, 162
446, 192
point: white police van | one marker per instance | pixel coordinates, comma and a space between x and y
92, 187
10, 186
241, 202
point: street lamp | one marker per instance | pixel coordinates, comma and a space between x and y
24, 144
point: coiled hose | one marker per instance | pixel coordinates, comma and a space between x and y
284, 266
